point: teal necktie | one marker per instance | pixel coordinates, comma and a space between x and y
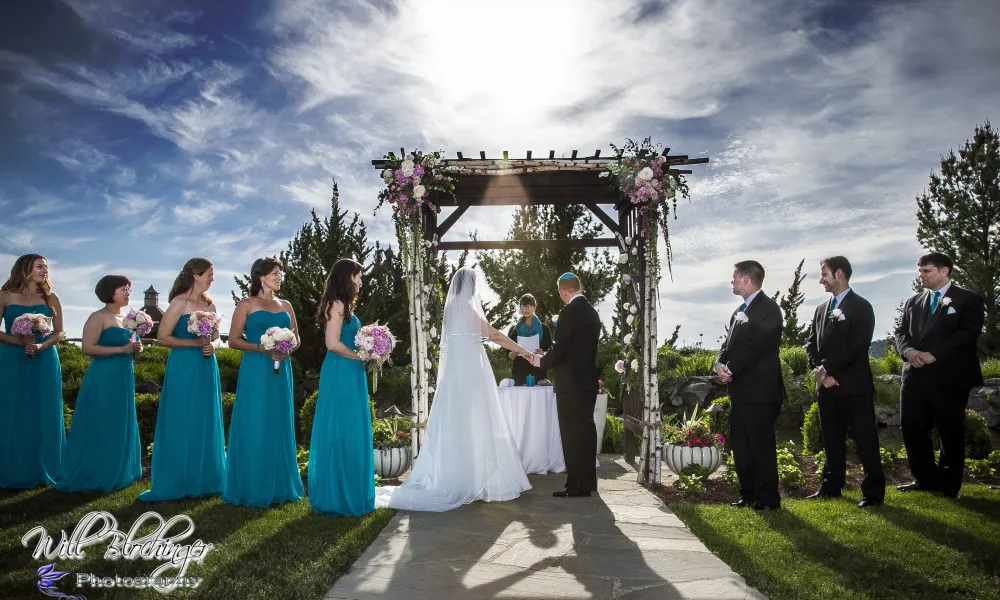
935, 296
833, 305
743, 307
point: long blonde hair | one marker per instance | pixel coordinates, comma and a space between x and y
20, 273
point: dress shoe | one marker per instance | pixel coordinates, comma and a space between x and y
914, 487
742, 503
995, 487
822, 494
571, 494
764, 508
870, 503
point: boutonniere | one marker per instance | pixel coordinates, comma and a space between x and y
741, 317
946, 301
837, 315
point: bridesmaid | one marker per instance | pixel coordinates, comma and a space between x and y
103, 449
341, 465
260, 459
189, 457
32, 435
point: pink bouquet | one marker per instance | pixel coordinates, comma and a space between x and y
278, 339
30, 325
374, 343
139, 323
204, 324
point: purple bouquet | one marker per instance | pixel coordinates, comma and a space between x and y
374, 343
278, 339
30, 325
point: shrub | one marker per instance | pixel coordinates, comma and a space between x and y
789, 473
608, 353
667, 359
696, 364
797, 359
302, 458
979, 469
145, 413
888, 456
614, 435
229, 368
991, 368
74, 365
887, 392
394, 388
730, 476
306, 415
67, 416
692, 479
228, 400
719, 421
888, 364
811, 437
978, 442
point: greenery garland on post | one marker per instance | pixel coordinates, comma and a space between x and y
412, 183
641, 178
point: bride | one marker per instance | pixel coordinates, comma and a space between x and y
469, 452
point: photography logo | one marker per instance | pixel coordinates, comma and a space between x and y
47, 576
161, 545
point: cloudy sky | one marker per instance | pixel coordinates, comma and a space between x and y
139, 133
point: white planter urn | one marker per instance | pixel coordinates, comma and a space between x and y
392, 462
679, 457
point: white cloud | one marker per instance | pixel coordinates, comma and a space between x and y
124, 176
242, 190
199, 170
81, 157
38, 204
143, 31
130, 204
314, 193
203, 213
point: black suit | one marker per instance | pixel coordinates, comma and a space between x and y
840, 345
937, 394
522, 368
755, 393
574, 358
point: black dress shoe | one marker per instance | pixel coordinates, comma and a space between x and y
571, 494
822, 494
870, 503
764, 508
742, 503
914, 487
995, 487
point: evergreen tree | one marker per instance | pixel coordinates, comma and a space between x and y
307, 261
793, 334
960, 216
512, 273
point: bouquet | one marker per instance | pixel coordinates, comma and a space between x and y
374, 343
204, 324
139, 323
30, 325
278, 339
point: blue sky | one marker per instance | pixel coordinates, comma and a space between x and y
139, 133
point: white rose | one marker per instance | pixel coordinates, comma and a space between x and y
434, 332
430, 390
633, 310
627, 306
635, 252
427, 365
646, 174
419, 191
622, 258
407, 168
634, 364
629, 319
387, 175
628, 240
627, 340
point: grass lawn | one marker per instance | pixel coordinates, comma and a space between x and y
916, 546
287, 552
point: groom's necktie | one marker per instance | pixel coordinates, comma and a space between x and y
935, 297
833, 305
743, 307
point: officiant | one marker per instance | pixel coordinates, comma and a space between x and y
530, 333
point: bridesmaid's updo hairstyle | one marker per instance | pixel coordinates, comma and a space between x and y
339, 286
185, 279
107, 286
261, 268
20, 273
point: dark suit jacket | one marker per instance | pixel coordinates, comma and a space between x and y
842, 346
574, 348
950, 334
751, 353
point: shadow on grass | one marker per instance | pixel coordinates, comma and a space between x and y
28, 508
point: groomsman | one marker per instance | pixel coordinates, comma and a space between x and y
937, 337
839, 339
750, 364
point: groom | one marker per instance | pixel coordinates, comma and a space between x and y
574, 358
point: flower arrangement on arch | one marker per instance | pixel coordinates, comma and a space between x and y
410, 181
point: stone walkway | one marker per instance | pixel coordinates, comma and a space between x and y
622, 543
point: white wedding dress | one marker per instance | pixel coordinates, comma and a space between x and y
469, 451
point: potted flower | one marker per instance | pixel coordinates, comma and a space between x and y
691, 443
391, 445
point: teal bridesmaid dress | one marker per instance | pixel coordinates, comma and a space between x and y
341, 464
189, 455
32, 435
260, 458
103, 452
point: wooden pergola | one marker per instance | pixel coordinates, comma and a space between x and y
549, 180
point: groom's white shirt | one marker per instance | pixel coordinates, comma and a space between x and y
575, 296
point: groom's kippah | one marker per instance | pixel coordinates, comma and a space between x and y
566, 276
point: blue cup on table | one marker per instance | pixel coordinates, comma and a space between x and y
530, 381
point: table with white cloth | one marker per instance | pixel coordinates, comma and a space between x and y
534, 422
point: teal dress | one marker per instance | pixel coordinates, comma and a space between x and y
32, 435
341, 464
261, 465
103, 452
189, 447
